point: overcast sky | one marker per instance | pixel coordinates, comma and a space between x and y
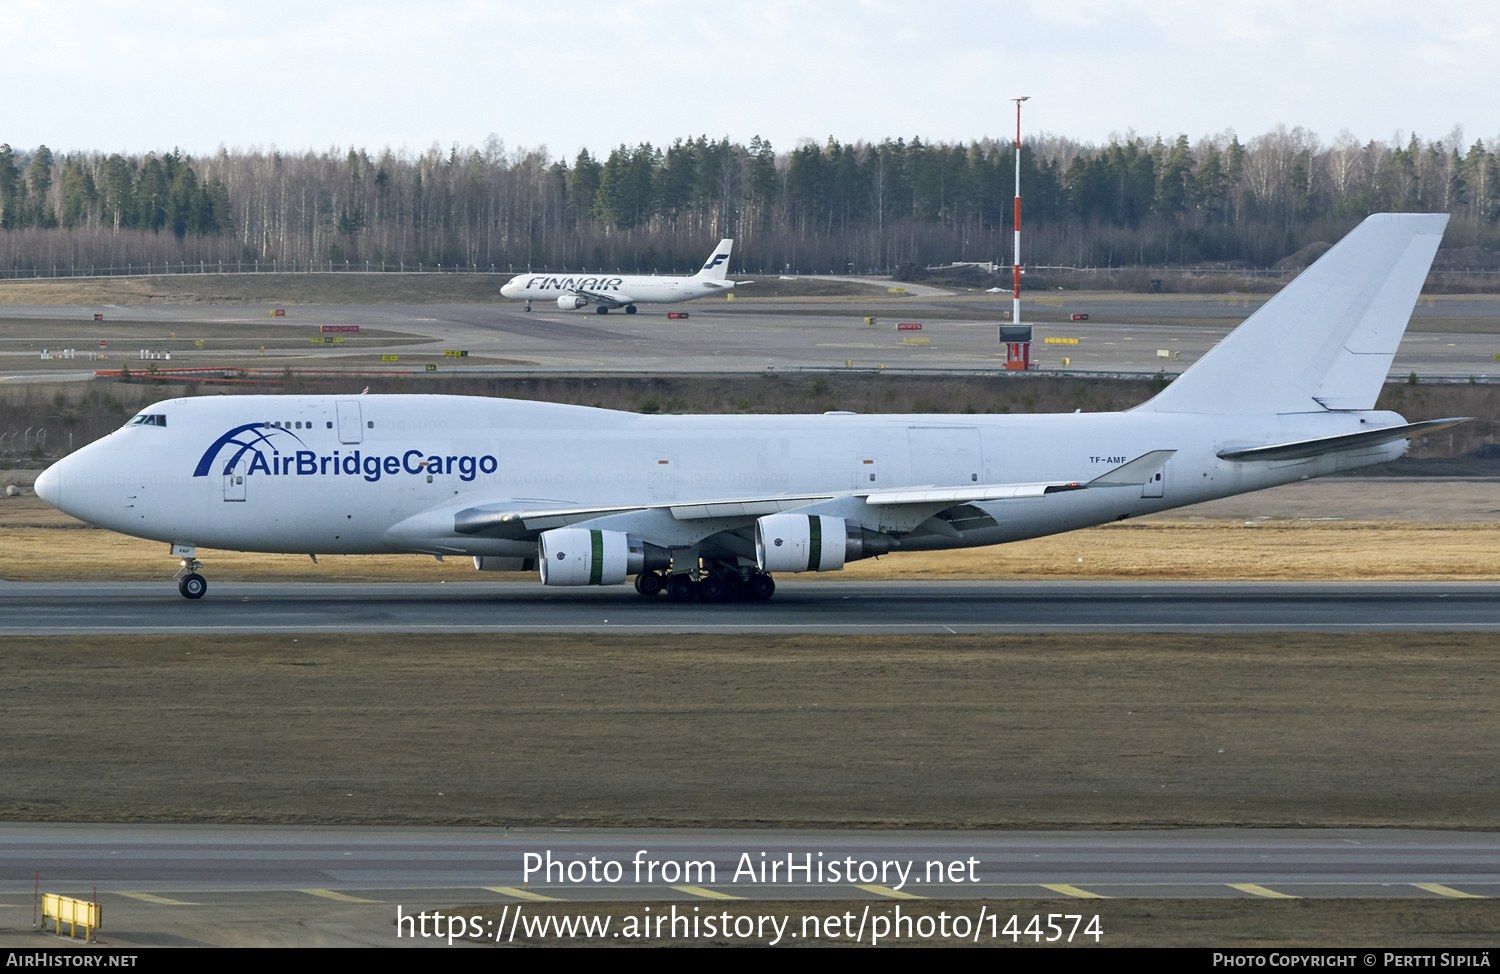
137, 75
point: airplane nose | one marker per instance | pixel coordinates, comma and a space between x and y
49, 486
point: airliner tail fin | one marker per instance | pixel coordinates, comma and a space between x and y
1326, 340
717, 265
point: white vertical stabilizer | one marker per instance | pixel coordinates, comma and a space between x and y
1326, 340
717, 264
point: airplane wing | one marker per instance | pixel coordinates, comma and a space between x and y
499, 521
1306, 449
606, 298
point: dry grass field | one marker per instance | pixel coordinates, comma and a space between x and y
41, 544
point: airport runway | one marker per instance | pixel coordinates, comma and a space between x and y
378, 863
798, 607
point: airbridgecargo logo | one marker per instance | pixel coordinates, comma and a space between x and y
274, 452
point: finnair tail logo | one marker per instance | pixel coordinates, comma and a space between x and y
249, 439
718, 259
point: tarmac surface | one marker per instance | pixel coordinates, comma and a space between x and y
1450, 336
237, 885
822, 607
189, 859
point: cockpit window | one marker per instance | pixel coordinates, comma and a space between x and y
148, 419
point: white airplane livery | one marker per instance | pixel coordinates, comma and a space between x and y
709, 507
606, 292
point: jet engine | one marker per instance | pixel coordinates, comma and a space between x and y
813, 543
588, 556
571, 302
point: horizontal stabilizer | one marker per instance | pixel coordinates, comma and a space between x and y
1305, 449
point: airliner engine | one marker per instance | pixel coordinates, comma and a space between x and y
585, 556
571, 302
813, 543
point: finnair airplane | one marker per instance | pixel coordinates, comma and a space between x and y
573, 291
708, 507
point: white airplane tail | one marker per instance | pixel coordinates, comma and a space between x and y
718, 262
1326, 340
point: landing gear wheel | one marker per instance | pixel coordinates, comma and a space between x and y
712, 589
601, 310
192, 586
528, 305
682, 588
630, 309
649, 584
762, 586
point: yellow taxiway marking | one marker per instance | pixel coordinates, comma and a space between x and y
153, 898
523, 894
1068, 890
894, 894
329, 894
708, 894
1442, 890
1262, 891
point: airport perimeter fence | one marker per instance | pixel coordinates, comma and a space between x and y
294, 266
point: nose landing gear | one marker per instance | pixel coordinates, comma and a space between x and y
189, 582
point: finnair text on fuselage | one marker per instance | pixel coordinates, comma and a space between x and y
546, 282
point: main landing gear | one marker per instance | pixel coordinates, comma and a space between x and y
189, 582
728, 585
601, 310
630, 309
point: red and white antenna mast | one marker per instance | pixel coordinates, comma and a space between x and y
1015, 315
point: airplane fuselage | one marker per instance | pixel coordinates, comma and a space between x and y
623, 290
381, 474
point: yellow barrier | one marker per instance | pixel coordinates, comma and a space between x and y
1066, 361
1059, 341
915, 341
65, 909
895, 290
390, 358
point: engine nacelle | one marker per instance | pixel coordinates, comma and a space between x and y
583, 556
800, 543
571, 302
587, 556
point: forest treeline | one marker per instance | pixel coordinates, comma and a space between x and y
835, 207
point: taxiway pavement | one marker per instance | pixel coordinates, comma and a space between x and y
824, 607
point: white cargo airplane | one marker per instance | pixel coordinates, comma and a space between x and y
708, 506
573, 291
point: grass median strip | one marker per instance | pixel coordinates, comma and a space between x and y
756, 730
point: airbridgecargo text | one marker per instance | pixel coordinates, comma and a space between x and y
306, 463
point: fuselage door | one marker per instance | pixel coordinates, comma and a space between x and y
351, 423
661, 480
866, 473
946, 456
234, 481
1156, 486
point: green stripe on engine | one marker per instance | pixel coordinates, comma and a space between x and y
814, 542
596, 564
